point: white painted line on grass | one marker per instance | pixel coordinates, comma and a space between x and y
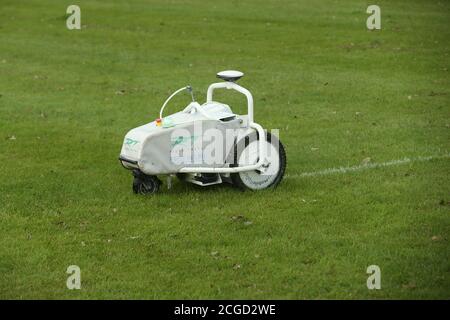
367, 166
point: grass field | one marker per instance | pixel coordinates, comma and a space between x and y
341, 96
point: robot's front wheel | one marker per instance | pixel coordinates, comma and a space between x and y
145, 184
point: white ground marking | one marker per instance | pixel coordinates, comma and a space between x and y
367, 166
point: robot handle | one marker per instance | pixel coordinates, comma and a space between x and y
238, 88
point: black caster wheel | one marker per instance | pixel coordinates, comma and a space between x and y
144, 184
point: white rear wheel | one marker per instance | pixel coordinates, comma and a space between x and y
247, 153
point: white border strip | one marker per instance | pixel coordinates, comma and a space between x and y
367, 166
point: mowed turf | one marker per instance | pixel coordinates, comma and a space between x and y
340, 95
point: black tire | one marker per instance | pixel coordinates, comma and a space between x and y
144, 184
240, 147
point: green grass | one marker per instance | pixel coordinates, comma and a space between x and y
338, 93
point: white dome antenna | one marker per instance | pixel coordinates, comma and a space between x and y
230, 75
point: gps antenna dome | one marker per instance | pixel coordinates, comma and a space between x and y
230, 75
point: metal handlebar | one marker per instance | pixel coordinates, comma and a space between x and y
234, 86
